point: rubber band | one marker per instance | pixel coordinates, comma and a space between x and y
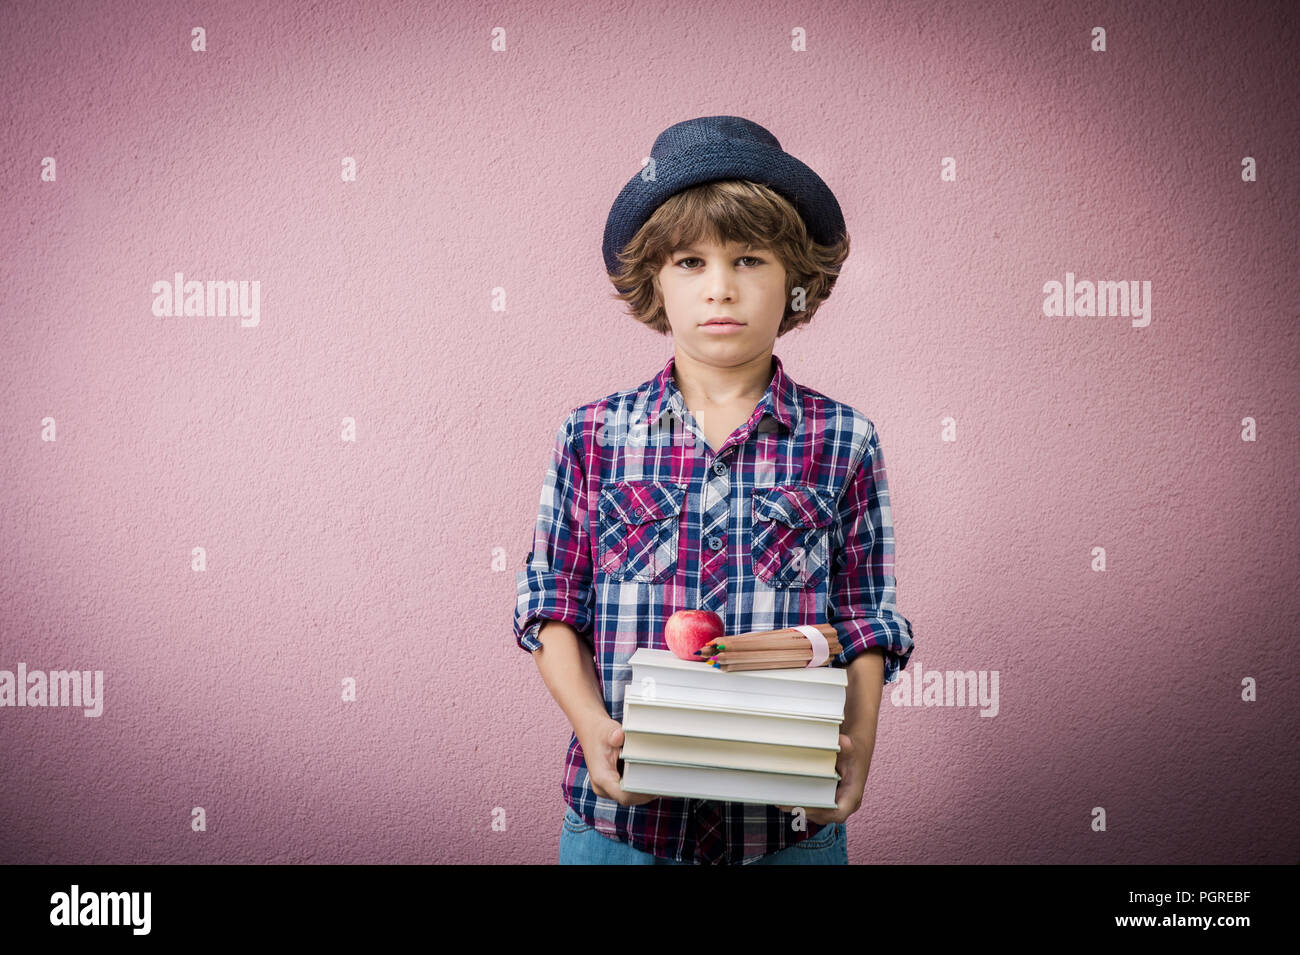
821, 650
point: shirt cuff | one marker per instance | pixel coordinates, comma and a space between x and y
857, 635
547, 595
528, 639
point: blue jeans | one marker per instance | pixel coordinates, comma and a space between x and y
581, 844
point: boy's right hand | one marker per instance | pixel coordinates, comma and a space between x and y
601, 742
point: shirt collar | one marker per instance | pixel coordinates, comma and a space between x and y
781, 400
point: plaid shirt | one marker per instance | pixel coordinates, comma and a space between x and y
787, 523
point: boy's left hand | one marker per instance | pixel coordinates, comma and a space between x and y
852, 764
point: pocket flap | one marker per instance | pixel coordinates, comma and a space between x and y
794, 505
639, 502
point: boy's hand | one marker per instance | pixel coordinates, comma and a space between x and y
852, 764
601, 742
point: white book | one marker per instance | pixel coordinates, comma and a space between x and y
727, 754
807, 683
797, 691
697, 685
730, 785
679, 719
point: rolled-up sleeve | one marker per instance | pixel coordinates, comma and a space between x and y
861, 592
556, 582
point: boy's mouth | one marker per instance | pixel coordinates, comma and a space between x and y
723, 320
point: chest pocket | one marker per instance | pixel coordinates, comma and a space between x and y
791, 539
639, 528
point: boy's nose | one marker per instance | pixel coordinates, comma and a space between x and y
722, 284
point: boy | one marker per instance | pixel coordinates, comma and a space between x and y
720, 484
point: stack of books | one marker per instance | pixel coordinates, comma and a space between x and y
768, 736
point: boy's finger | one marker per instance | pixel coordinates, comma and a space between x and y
606, 782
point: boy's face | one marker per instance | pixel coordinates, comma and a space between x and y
706, 280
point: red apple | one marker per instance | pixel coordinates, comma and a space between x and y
688, 630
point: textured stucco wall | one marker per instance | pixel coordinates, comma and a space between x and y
391, 559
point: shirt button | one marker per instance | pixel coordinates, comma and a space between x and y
639, 511
719, 467
715, 543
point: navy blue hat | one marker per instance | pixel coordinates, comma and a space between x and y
710, 148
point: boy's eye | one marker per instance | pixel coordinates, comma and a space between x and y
744, 258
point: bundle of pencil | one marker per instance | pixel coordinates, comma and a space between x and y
765, 649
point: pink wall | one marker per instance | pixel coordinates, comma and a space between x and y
392, 559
